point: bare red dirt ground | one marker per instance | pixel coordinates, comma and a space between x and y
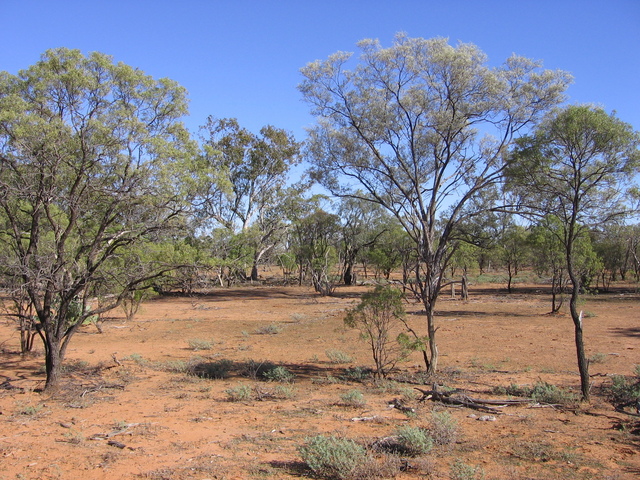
128, 410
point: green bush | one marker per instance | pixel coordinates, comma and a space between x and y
462, 471
196, 344
240, 393
443, 428
353, 398
544, 392
338, 357
334, 457
623, 390
413, 441
279, 374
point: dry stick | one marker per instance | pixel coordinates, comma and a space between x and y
465, 401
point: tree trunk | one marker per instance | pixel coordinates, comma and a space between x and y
53, 363
348, 275
583, 362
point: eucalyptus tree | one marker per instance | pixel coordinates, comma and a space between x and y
90, 160
248, 177
401, 127
577, 167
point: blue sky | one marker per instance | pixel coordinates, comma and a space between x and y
241, 58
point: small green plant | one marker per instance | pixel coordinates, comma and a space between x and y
544, 392
30, 410
337, 357
241, 393
175, 366
462, 471
598, 358
137, 359
196, 344
357, 374
272, 329
334, 457
284, 392
413, 441
378, 314
353, 398
443, 428
625, 391
256, 369
279, 374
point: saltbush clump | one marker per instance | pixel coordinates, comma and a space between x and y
413, 441
334, 457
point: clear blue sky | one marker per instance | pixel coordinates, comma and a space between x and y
241, 58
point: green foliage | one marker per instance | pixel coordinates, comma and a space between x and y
108, 140
279, 374
333, 457
413, 441
462, 471
240, 393
272, 329
376, 316
353, 398
443, 428
625, 390
196, 344
337, 357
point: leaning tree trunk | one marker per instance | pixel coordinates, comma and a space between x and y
576, 316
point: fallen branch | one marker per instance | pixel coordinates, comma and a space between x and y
461, 400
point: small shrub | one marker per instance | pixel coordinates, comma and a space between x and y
623, 390
598, 358
174, 366
544, 392
196, 344
462, 471
217, 370
241, 393
334, 457
338, 357
443, 428
413, 441
256, 370
357, 374
279, 374
272, 329
284, 392
353, 398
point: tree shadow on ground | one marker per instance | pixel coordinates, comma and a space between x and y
626, 332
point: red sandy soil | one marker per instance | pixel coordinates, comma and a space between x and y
126, 411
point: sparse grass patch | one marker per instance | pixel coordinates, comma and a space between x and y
197, 344
443, 428
462, 471
357, 374
352, 398
541, 392
240, 393
272, 329
598, 358
338, 357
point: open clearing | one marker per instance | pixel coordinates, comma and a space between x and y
129, 410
